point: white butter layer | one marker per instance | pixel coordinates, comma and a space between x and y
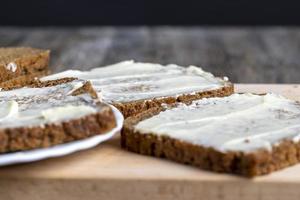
240, 122
67, 112
8, 109
39, 106
129, 81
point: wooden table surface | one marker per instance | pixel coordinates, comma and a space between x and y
246, 55
108, 172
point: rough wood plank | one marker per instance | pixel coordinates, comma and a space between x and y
246, 55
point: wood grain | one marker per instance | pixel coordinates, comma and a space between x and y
246, 55
108, 172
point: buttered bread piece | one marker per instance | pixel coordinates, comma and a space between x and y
134, 87
244, 133
41, 117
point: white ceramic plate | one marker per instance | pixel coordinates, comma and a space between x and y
61, 149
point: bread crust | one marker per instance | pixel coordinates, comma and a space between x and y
21, 81
252, 164
28, 61
26, 138
135, 107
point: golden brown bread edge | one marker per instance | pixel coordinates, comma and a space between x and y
26, 138
21, 81
135, 107
252, 164
30, 63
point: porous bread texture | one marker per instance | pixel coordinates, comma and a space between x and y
21, 81
21, 62
135, 107
26, 138
248, 164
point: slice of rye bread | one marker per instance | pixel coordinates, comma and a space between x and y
246, 134
135, 87
21, 62
51, 114
21, 81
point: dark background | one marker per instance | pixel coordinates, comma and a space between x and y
250, 41
139, 12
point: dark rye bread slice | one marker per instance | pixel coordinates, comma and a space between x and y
134, 87
135, 107
22, 62
21, 81
252, 159
17, 134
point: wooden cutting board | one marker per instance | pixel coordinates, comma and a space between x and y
108, 172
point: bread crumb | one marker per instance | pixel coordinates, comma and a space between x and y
12, 66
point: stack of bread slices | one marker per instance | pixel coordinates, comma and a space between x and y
180, 113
